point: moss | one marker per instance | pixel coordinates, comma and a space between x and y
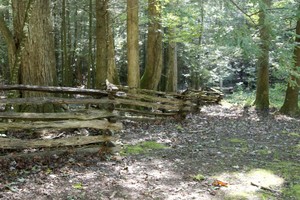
291, 173
179, 128
152, 145
292, 192
297, 147
199, 177
264, 152
239, 143
236, 141
142, 147
287, 169
132, 149
238, 196
266, 196
292, 134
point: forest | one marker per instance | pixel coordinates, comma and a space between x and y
158, 45
218, 82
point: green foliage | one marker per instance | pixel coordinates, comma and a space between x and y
277, 94
290, 171
293, 192
78, 186
241, 97
244, 97
199, 177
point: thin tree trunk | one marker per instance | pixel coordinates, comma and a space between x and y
90, 69
262, 91
66, 61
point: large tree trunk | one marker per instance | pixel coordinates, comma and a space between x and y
290, 105
38, 57
152, 74
133, 78
262, 91
101, 36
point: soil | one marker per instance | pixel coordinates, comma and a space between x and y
223, 152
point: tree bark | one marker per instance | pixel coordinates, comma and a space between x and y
262, 91
133, 78
66, 69
90, 69
112, 73
290, 105
37, 65
152, 74
101, 36
171, 85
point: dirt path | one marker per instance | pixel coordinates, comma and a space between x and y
168, 160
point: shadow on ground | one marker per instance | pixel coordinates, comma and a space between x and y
257, 156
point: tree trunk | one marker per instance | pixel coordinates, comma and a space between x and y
112, 73
133, 78
90, 69
101, 36
67, 70
262, 91
152, 74
171, 85
38, 57
290, 105
57, 45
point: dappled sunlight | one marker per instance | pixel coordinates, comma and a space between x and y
248, 184
158, 178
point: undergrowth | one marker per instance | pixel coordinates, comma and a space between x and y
244, 97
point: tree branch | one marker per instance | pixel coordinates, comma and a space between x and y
240, 9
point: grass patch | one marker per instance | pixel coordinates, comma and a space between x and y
292, 134
290, 171
142, 147
264, 152
297, 147
240, 196
237, 141
199, 177
239, 144
241, 98
292, 192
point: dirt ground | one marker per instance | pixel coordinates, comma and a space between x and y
223, 152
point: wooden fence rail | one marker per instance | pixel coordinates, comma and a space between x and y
105, 107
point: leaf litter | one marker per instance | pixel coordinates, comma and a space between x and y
215, 154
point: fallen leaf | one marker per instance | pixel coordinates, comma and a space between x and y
219, 183
77, 186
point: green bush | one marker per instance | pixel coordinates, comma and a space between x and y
244, 97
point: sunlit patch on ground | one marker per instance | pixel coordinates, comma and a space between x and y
244, 185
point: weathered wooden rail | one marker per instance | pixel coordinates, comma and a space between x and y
75, 117
105, 107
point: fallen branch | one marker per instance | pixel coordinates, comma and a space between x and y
266, 188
